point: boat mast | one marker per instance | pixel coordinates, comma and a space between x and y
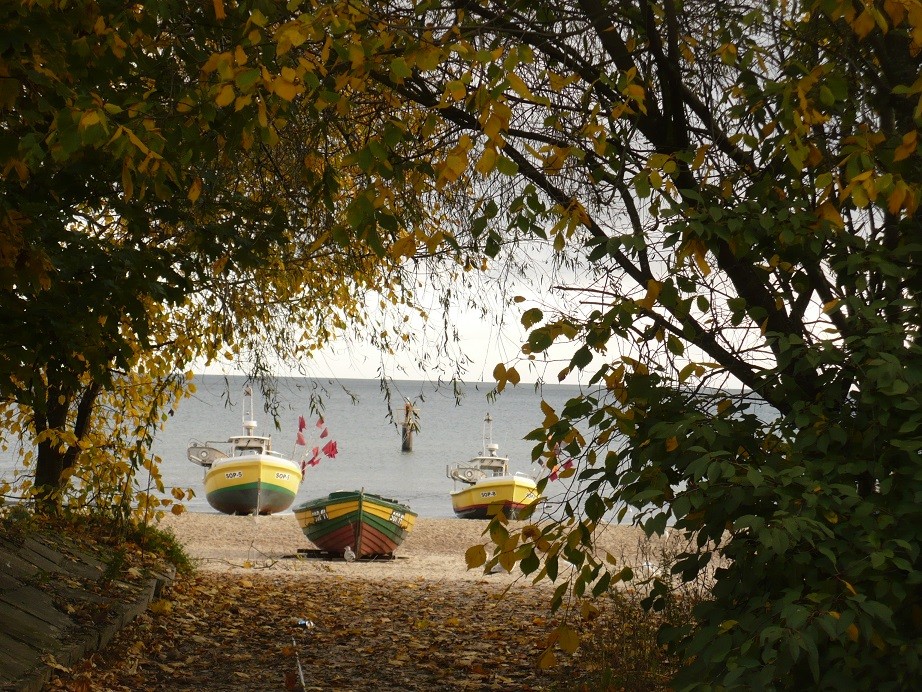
249, 425
489, 448
249, 421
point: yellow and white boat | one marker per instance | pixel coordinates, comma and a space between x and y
243, 475
488, 486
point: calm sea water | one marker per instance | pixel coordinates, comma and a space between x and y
369, 442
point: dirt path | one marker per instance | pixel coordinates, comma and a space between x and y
257, 617
265, 630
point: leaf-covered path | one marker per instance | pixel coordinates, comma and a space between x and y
264, 630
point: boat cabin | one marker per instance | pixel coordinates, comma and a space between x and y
250, 444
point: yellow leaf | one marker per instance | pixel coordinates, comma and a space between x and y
700, 260
475, 556
405, 246
568, 639
519, 86
89, 118
907, 147
356, 55
487, 161
852, 632
863, 25
672, 444
588, 611
897, 197
828, 212
531, 532
831, 305
134, 139
161, 607
240, 56
554, 161
493, 126
653, 290
127, 181
547, 659
287, 90
455, 90
507, 556
636, 93
195, 190
219, 9
454, 167
225, 97
699, 156
261, 114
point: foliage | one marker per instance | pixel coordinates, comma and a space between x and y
743, 183
146, 221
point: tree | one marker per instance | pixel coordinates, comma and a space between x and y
151, 215
743, 182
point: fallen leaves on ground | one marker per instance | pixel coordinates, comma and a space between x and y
264, 631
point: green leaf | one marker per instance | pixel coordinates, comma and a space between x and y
539, 340
400, 70
531, 317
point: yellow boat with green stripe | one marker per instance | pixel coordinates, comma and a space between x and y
368, 524
243, 475
488, 486
256, 484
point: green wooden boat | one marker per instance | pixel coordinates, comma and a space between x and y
369, 525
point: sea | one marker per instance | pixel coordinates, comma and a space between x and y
364, 419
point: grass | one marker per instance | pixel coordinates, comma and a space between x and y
128, 544
619, 650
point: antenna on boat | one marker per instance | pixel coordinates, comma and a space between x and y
249, 422
489, 446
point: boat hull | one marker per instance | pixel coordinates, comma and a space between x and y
369, 524
257, 484
511, 495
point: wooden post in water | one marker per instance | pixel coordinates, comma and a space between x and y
410, 425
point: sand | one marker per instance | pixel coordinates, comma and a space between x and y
434, 549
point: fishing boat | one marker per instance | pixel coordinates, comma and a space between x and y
242, 474
488, 487
355, 523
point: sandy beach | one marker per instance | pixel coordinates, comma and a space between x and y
434, 549
257, 614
